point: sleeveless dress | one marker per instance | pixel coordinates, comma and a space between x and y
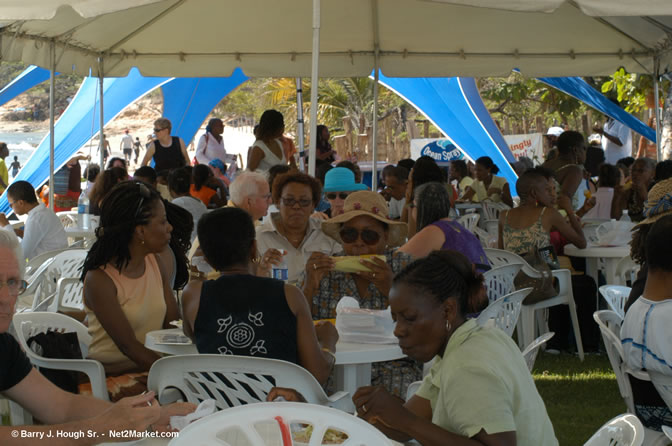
167, 158
247, 316
270, 159
459, 238
524, 240
558, 186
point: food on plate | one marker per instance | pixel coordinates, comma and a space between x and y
330, 437
352, 264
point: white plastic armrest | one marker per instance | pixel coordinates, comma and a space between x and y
564, 277
91, 368
337, 396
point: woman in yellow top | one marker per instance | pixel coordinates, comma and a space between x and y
487, 186
127, 290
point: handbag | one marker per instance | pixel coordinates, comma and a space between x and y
55, 345
544, 287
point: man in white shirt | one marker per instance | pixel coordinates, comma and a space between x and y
43, 230
126, 146
211, 144
616, 139
250, 191
396, 180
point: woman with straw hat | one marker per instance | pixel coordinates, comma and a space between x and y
362, 229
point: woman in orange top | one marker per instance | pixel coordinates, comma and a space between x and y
204, 187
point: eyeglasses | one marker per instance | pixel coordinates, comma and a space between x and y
144, 194
350, 235
16, 287
290, 202
341, 195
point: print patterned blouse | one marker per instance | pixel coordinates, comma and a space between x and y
525, 240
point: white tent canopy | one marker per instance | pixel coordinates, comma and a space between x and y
413, 37
46, 9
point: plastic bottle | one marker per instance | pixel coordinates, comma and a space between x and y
625, 216
281, 270
83, 216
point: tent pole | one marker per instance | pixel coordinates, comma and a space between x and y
314, 85
299, 124
656, 99
101, 148
376, 73
52, 87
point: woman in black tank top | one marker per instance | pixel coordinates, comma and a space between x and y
242, 314
168, 152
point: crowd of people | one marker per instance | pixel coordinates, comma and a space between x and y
260, 249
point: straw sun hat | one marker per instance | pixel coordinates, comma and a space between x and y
368, 203
658, 203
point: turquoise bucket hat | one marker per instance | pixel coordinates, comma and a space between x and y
340, 179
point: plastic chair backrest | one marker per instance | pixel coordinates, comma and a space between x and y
259, 424
412, 389
623, 430
469, 221
505, 311
491, 210
531, 351
626, 271
499, 280
487, 240
230, 380
29, 324
65, 267
616, 297
499, 257
610, 327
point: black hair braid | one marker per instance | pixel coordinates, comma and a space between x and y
180, 240
127, 205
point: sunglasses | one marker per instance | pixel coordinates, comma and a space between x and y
350, 235
290, 202
341, 195
158, 130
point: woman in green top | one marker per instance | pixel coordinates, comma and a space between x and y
479, 391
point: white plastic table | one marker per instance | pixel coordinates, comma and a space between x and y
80, 233
592, 253
353, 361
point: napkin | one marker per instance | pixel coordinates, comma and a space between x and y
204, 409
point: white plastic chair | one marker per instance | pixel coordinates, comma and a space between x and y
491, 210
487, 240
526, 329
232, 380
61, 287
34, 277
623, 430
610, 327
504, 311
32, 323
667, 431
626, 271
616, 296
258, 424
531, 351
499, 280
412, 389
469, 221
68, 218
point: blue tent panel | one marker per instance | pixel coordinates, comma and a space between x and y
187, 101
30, 77
581, 90
444, 103
80, 122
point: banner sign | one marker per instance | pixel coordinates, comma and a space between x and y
440, 149
530, 145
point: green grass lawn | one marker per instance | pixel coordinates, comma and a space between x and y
580, 396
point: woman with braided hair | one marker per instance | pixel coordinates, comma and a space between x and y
127, 286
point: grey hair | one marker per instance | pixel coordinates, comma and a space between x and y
245, 185
9, 240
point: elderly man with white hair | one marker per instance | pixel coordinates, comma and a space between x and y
58, 410
250, 191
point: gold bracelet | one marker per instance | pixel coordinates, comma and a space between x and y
326, 350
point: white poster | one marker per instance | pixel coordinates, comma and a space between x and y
530, 145
440, 149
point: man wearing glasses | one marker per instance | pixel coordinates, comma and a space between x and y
43, 230
168, 152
